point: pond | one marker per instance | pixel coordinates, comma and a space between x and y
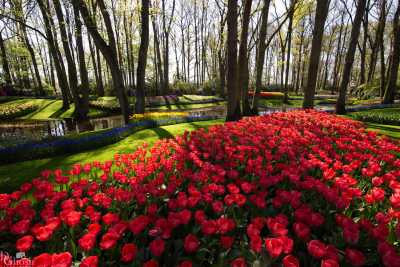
19, 131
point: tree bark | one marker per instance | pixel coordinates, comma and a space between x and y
141, 69
109, 52
260, 56
55, 53
243, 62
318, 32
395, 59
378, 43
6, 66
355, 32
289, 46
84, 88
233, 113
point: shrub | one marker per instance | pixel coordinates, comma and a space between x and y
382, 116
299, 188
11, 111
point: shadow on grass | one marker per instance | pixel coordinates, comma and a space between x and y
58, 113
162, 133
389, 128
39, 110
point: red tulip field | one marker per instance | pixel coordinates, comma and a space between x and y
301, 188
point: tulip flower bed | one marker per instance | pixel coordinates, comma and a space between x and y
11, 111
301, 188
268, 95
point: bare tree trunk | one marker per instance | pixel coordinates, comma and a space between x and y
289, 46
377, 42
260, 56
53, 47
355, 32
141, 69
80, 112
84, 88
395, 59
109, 52
243, 62
6, 66
337, 56
363, 51
166, 29
158, 54
318, 32
233, 113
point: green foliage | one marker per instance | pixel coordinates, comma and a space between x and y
382, 116
367, 91
182, 87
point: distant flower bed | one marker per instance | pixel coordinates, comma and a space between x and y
299, 189
108, 105
383, 116
11, 111
157, 115
269, 95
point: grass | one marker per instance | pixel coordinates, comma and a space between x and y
13, 175
383, 121
51, 109
385, 129
389, 116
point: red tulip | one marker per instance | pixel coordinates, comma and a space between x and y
91, 261
290, 261
157, 247
61, 259
316, 248
191, 243
24, 243
128, 252
274, 246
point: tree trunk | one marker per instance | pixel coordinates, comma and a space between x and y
337, 56
109, 52
355, 32
84, 88
377, 42
6, 66
289, 46
233, 113
53, 47
318, 32
243, 62
158, 54
395, 59
260, 56
363, 51
141, 69
80, 112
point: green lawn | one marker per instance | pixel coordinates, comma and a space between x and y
386, 129
13, 175
51, 109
